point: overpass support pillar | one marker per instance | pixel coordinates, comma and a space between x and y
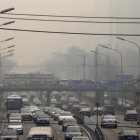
48, 98
99, 97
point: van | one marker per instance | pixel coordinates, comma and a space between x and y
40, 133
130, 115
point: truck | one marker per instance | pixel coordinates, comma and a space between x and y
13, 104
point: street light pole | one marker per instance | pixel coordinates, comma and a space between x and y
135, 45
121, 73
96, 63
107, 69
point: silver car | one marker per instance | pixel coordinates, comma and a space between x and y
17, 125
109, 121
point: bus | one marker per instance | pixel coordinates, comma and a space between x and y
13, 104
40, 133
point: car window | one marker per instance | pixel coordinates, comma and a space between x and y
73, 129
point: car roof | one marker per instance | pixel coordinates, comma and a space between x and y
131, 111
129, 132
40, 131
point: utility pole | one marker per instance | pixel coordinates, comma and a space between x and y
84, 67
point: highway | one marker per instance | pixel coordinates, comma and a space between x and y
112, 133
57, 129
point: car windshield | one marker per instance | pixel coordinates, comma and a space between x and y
15, 115
15, 123
73, 129
109, 117
40, 138
66, 114
25, 110
69, 120
80, 139
9, 132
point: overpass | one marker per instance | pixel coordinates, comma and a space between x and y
50, 83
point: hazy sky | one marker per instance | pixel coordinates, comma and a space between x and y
34, 48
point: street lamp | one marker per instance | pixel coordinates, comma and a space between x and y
8, 39
96, 72
121, 70
6, 23
6, 10
107, 68
136, 45
8, 47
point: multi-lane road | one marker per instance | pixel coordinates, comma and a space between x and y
112, 133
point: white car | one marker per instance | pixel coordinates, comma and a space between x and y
16, 124
64, 115
109, 121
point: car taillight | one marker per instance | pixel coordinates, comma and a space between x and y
116, 121
104, 121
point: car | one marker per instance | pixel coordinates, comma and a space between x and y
16, 124
9, 134
33, 108
36, 114
128, 135
80, 138
109, 109
86, 111
26, 114
68, 122
15, 116
57, 114
72, 131
42, 120
63, 116
130, 115
109, 121
100, 111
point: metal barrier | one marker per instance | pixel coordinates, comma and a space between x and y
88, 123
99, 133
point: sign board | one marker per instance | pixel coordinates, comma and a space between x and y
115, 84
126, 77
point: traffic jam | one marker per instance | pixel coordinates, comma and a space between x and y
28, 118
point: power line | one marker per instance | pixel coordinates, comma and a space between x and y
74, 21
69, 33
71, 16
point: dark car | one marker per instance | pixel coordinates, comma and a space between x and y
72, 131
42, 120
68, 122
85, 111
128, 135
109, 109
130, 115
26, 114
9, 134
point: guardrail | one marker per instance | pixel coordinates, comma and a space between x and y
88, 123
99, 133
